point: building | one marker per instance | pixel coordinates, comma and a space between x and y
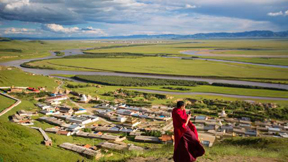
105, 106
123, 112
223, 114
82, 150
166, 138
66, 110
26, 113
251, 133
50, 112
84, 119
75, 127
57, 98
23, 120
206, 139
80, 111
101, 136
43, 106
84, 99
151, 139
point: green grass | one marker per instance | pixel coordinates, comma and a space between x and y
157, 65
135, 81
253, 52
20, 143
14, 49
252, 146
271, 61
16, 77
225, 90
5, 102
175, 47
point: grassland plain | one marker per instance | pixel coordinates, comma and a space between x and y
224, 90
174, 48
168, 66
14, 49
258, 60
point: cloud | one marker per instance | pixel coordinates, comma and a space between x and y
68, 12
91, 30
125, 17
13, 31
280, 13
59, 28
190, 6
56, 28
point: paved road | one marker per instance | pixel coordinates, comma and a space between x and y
212, 94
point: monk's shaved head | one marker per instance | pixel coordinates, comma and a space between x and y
180, 104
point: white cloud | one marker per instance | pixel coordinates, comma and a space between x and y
190, 6
60, 28
73, 30
11, 31
15, 5
280, 13
91, 30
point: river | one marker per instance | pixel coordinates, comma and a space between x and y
17, 64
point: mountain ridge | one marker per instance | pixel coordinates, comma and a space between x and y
222, 35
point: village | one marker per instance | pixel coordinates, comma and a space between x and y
114, 123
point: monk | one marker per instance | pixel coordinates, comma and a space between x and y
187, 145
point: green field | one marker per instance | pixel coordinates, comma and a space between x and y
225, 90
258, 60
169, 66
253, 51
14, 49
5, 102
176, 46
16, 77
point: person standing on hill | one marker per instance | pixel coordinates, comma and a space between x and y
187, 146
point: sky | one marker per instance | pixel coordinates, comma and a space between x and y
97, 18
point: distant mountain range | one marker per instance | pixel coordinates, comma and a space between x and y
224, 35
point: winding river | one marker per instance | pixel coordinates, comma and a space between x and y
17, 64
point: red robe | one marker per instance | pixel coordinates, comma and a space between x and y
179, 120
192, 146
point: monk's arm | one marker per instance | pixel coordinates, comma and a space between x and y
181, 122
188, 119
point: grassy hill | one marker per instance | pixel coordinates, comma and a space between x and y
5, 102
15, 77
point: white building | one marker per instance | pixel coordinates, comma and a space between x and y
84, 99
223, 113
